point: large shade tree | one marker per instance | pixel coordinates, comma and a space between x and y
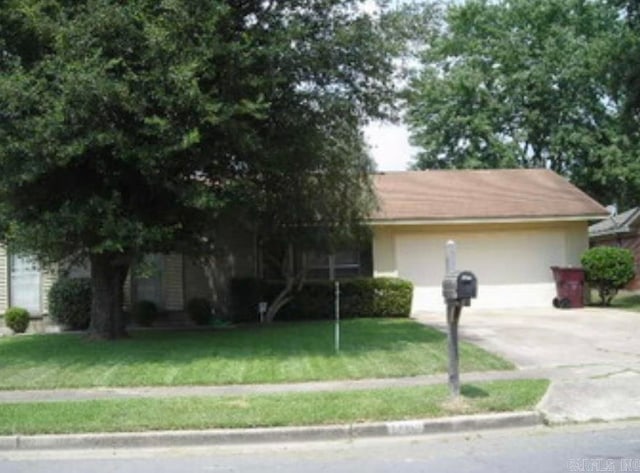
131, 127
526, 83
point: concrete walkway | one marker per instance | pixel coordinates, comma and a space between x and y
57, 395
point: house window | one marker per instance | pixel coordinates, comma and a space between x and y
148, 283
25, 283
342, 264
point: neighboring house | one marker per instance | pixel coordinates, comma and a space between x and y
510, 227
621, 230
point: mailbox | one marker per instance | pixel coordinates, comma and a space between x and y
460, 286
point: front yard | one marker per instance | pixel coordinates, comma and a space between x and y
282, 352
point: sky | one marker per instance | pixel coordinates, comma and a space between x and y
389, 146
388, 143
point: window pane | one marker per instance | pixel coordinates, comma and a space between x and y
317, 260
318, 273
347, 258
347, 272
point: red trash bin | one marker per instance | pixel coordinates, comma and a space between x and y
569, 287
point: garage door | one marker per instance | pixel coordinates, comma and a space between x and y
512, 266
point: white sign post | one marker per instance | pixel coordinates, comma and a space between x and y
337, 327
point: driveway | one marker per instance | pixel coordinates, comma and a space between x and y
537, 338
592, 355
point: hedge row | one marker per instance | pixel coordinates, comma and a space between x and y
361, 297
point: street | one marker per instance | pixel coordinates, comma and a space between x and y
594, 447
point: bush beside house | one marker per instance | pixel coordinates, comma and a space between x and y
608, 269
199, 310
359, 297
70, 303
17, 319
144, 313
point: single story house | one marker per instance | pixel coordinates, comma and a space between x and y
621, 230
510, 227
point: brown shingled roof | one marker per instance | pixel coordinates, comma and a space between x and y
485, 194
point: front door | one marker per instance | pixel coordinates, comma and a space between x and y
25, 283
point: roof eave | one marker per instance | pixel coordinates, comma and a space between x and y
469, 220
611, 233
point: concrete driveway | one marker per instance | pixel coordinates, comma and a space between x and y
592, 355
552, 337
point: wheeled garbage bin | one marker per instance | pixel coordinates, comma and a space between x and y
569, 287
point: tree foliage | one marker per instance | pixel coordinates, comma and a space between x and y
625, 63
131, 127
526, 83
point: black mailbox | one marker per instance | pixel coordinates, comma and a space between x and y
467, 285
460, 286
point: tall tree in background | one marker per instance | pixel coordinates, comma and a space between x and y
526, 83
131, 127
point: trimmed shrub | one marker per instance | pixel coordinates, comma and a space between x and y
70, 303
608, 269
144, 313
199, 310
359, 297
17, 319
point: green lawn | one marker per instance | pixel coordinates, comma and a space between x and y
623, 300
267, 410
627, 300
278, 353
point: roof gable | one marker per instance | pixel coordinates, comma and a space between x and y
497, 194
624, 222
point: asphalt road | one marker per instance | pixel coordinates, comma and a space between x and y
596, 447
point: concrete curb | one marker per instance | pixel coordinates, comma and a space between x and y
266, 435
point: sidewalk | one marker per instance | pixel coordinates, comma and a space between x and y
57, 395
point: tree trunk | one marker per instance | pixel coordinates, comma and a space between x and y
280, 301
293, 282
108, 272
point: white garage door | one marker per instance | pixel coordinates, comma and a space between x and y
512, 266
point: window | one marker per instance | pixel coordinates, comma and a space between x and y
148, 281
342, 264
25, 283
346, 264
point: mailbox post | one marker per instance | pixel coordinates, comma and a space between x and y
458, 288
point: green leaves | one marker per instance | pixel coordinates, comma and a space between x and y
524, 83
130, 127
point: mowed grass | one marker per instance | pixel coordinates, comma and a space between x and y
267, 410
626, 300
285, 352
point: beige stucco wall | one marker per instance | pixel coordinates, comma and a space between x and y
511, 260
384, 252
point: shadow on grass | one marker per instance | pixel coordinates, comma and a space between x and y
627, 302
471, 391
278, 342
